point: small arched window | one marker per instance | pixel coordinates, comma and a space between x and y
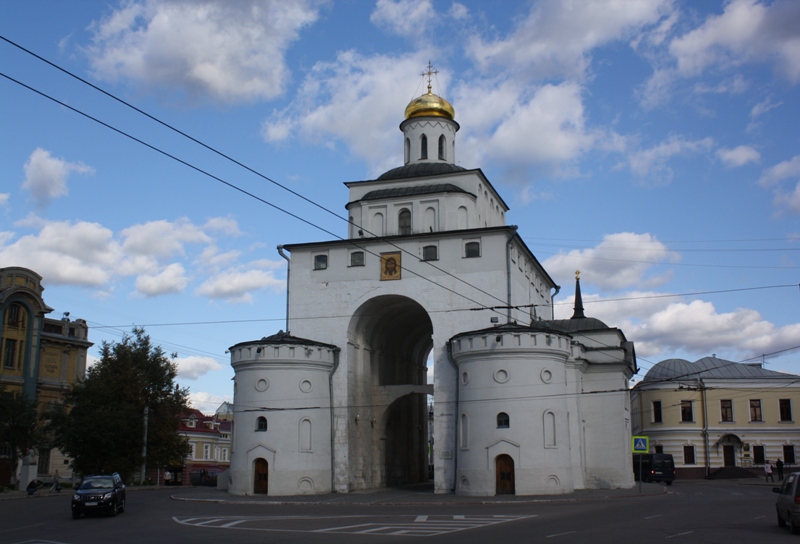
408, 151
404, 222
320, 262
423, 147
442, 148
261, 424
472, 249
503, 421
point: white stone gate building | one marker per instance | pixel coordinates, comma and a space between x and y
429, 271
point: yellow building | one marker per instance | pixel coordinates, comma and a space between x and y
715, 414
40, 357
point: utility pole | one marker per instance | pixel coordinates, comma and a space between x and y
144, 447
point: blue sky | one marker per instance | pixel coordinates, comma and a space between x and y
652, 145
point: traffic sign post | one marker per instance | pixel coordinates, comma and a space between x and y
640, 445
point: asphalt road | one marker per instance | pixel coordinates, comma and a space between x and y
707, 512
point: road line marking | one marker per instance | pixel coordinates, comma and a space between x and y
681, 534
421, 518
653, 517
561, 534
233, 523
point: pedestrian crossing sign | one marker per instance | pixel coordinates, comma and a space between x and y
640, 444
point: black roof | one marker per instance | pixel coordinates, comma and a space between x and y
409, 191
283, 338
419, 169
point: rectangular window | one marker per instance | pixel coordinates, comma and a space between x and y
726, 410
687, 414
659, 449
657, 412
755, 410
688, 455
472, 249
758, 455
206, 451
224, 454
786, 409
430, 253
193, 450
357, 258
320, 262
788, 455
9, 353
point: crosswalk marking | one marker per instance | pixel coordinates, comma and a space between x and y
414, 526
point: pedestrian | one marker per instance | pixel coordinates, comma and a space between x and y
167, 477
779, 466
31, 489
768, 471
56, 482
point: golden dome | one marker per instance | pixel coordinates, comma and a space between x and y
430, 105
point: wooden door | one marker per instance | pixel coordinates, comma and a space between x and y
261, 477
504, 475
729, 455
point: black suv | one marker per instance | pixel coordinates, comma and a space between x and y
104, 493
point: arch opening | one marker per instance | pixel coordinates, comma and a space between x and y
391, 338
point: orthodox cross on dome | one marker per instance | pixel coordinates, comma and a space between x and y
429, 74
577, 274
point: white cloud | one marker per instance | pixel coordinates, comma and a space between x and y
781, 171
660, 326
763, 107
225, 225
746, 31
789, 200
652, 163
91, 255
193, 367
207, 402
548, 128
407, 18
736, 85
620, 261
556, 37
738, 156
46, 176
162, 239
231, 51
376, 87
529, 194
4, 198
171, 280
65, 253
235, 286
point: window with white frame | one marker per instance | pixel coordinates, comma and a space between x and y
687, 412
755, 410
206, 451
785, 407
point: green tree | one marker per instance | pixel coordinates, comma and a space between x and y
19, 427
101, 423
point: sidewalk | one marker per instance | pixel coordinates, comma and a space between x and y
410, 495
407, 495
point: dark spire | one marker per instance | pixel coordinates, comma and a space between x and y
578, 314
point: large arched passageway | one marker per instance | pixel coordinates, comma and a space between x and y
389, 339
